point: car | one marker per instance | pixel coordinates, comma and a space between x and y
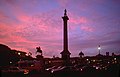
57, 69
50, 68
15, 70
62, 69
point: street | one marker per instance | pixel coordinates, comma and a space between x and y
66, 74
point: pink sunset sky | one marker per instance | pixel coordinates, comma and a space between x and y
26, 24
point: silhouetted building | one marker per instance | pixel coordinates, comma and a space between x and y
20, 53
99, 55
113, 54
65, 53
81, 54
107, 53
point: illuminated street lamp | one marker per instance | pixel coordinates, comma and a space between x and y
115, 59
10, 62
99, 48
19, 53
26, 54
93, 60
87, 59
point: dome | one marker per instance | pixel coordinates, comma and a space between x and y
81, 53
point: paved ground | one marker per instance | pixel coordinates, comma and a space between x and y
67, 74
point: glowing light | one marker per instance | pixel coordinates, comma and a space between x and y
47, 69
49, 61
32, 65
99, 48
93, 60
10, 62
97, 67
26, 54
81, 69
26, 71
19, 53
89, 61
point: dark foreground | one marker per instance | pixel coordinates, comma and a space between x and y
90, 73
111, 71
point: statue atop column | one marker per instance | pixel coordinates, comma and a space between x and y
65, 12
39, 50
65, 54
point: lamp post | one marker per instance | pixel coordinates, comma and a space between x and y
19, 53
99, 48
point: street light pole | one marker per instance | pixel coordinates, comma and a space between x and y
99, 48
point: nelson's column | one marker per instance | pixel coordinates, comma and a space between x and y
65, 54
